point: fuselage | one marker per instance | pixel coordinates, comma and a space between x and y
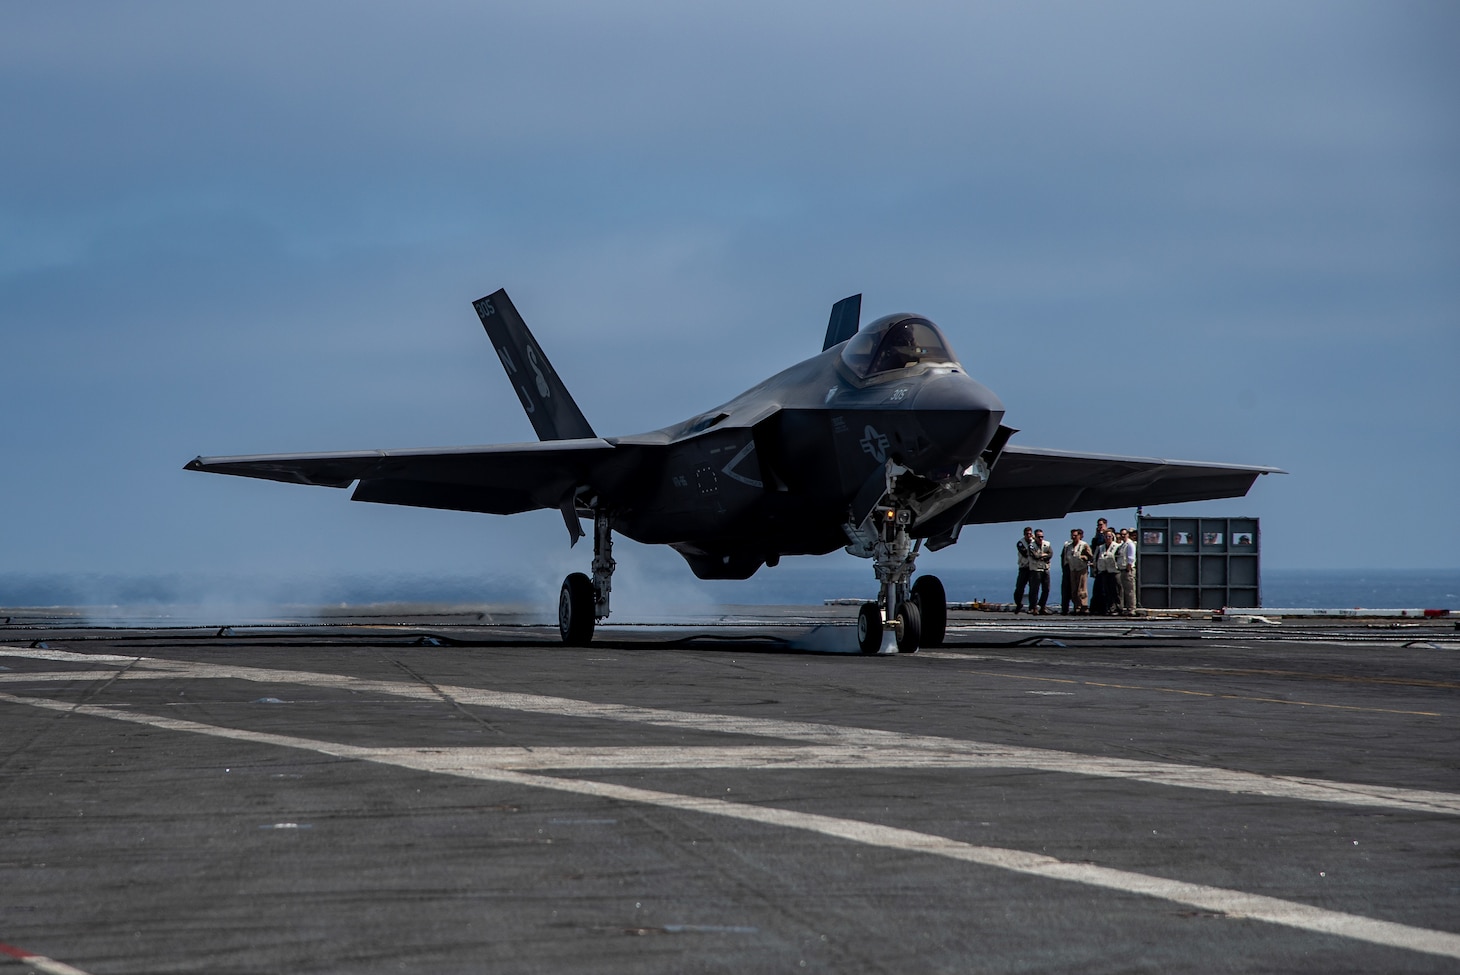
782, 468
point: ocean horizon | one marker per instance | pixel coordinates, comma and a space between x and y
784, 585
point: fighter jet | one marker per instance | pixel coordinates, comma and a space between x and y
882, 444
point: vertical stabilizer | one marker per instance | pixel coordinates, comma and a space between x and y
846, 317
551, 409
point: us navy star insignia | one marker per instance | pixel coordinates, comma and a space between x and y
874, 443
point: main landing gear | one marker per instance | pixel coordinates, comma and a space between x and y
584, 601
916, 614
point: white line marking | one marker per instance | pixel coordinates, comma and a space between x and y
39, 962
1231, 902
877, 748
31, 653
50, 966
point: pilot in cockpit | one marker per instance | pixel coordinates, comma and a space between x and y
899, 348
891, 344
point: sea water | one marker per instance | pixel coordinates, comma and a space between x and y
805, 583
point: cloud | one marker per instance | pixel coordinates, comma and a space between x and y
252, 229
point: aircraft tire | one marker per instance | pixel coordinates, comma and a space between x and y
909, 627
575, 610
932, 602
869, 628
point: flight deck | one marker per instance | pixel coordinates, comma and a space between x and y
450, 789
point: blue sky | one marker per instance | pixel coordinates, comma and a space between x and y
1219, 232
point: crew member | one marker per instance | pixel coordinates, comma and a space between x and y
1125, 564
1022, 547
1077, 558
1107, 589
1041, 554
1065, 595
1099, 601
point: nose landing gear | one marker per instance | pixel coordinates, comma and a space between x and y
916, 614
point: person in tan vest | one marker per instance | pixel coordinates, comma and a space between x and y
1076, 559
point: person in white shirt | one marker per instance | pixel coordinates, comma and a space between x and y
1125, 565
1041, 554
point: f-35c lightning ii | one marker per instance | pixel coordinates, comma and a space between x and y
880, 444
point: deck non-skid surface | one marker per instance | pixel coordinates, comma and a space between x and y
435, 795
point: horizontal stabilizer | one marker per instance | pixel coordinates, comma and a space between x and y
551, 409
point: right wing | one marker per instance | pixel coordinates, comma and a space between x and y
500, 479
1029, 483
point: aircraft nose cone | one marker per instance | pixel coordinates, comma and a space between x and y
959, 415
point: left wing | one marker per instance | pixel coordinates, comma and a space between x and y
1029, 483
500, 479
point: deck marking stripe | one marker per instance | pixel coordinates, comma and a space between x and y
976, 754
1234, 903
39, 962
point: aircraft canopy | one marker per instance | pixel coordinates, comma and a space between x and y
896, 342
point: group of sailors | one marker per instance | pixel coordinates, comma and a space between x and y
1110, 559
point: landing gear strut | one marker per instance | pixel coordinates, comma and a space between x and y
899, 607
583, 601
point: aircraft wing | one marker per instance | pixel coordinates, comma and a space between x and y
499, 479
1029, 483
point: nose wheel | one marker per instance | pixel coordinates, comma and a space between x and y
909, 625
906, 625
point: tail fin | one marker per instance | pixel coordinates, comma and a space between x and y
846, 316
551, 409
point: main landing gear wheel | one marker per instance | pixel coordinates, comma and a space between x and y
575, 610
909, 627
931, 600
869, 628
